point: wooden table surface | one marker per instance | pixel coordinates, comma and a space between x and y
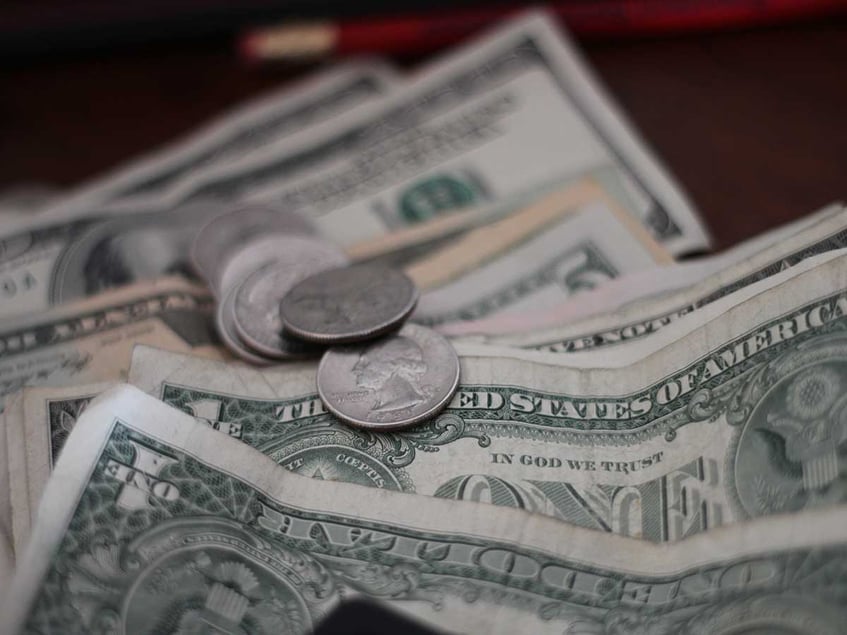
753, 124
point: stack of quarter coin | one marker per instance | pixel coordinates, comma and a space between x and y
284, 293
378, 373
251, 256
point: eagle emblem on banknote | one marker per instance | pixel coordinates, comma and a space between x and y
197, 575
792, 450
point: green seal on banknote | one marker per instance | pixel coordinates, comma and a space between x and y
437, 195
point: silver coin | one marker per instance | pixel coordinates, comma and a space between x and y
393, 382
348, 304
257, 301
229, 230
260, 252
225, 322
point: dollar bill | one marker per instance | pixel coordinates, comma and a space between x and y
635, 306
57, 262
569, 242
714, 429
92, 340
513, 110
154, 523
281, 117
635, 351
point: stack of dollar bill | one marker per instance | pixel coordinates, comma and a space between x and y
637, 443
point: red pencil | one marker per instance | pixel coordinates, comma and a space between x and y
421, 33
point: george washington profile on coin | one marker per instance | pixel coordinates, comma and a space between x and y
393, 370
393, 382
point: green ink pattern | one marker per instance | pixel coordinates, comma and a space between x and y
206, 550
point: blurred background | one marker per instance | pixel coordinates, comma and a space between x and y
745, 101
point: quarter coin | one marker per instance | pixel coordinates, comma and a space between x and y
348, 304
393, 382
225, 322
257, 300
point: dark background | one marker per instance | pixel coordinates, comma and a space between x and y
753, 123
